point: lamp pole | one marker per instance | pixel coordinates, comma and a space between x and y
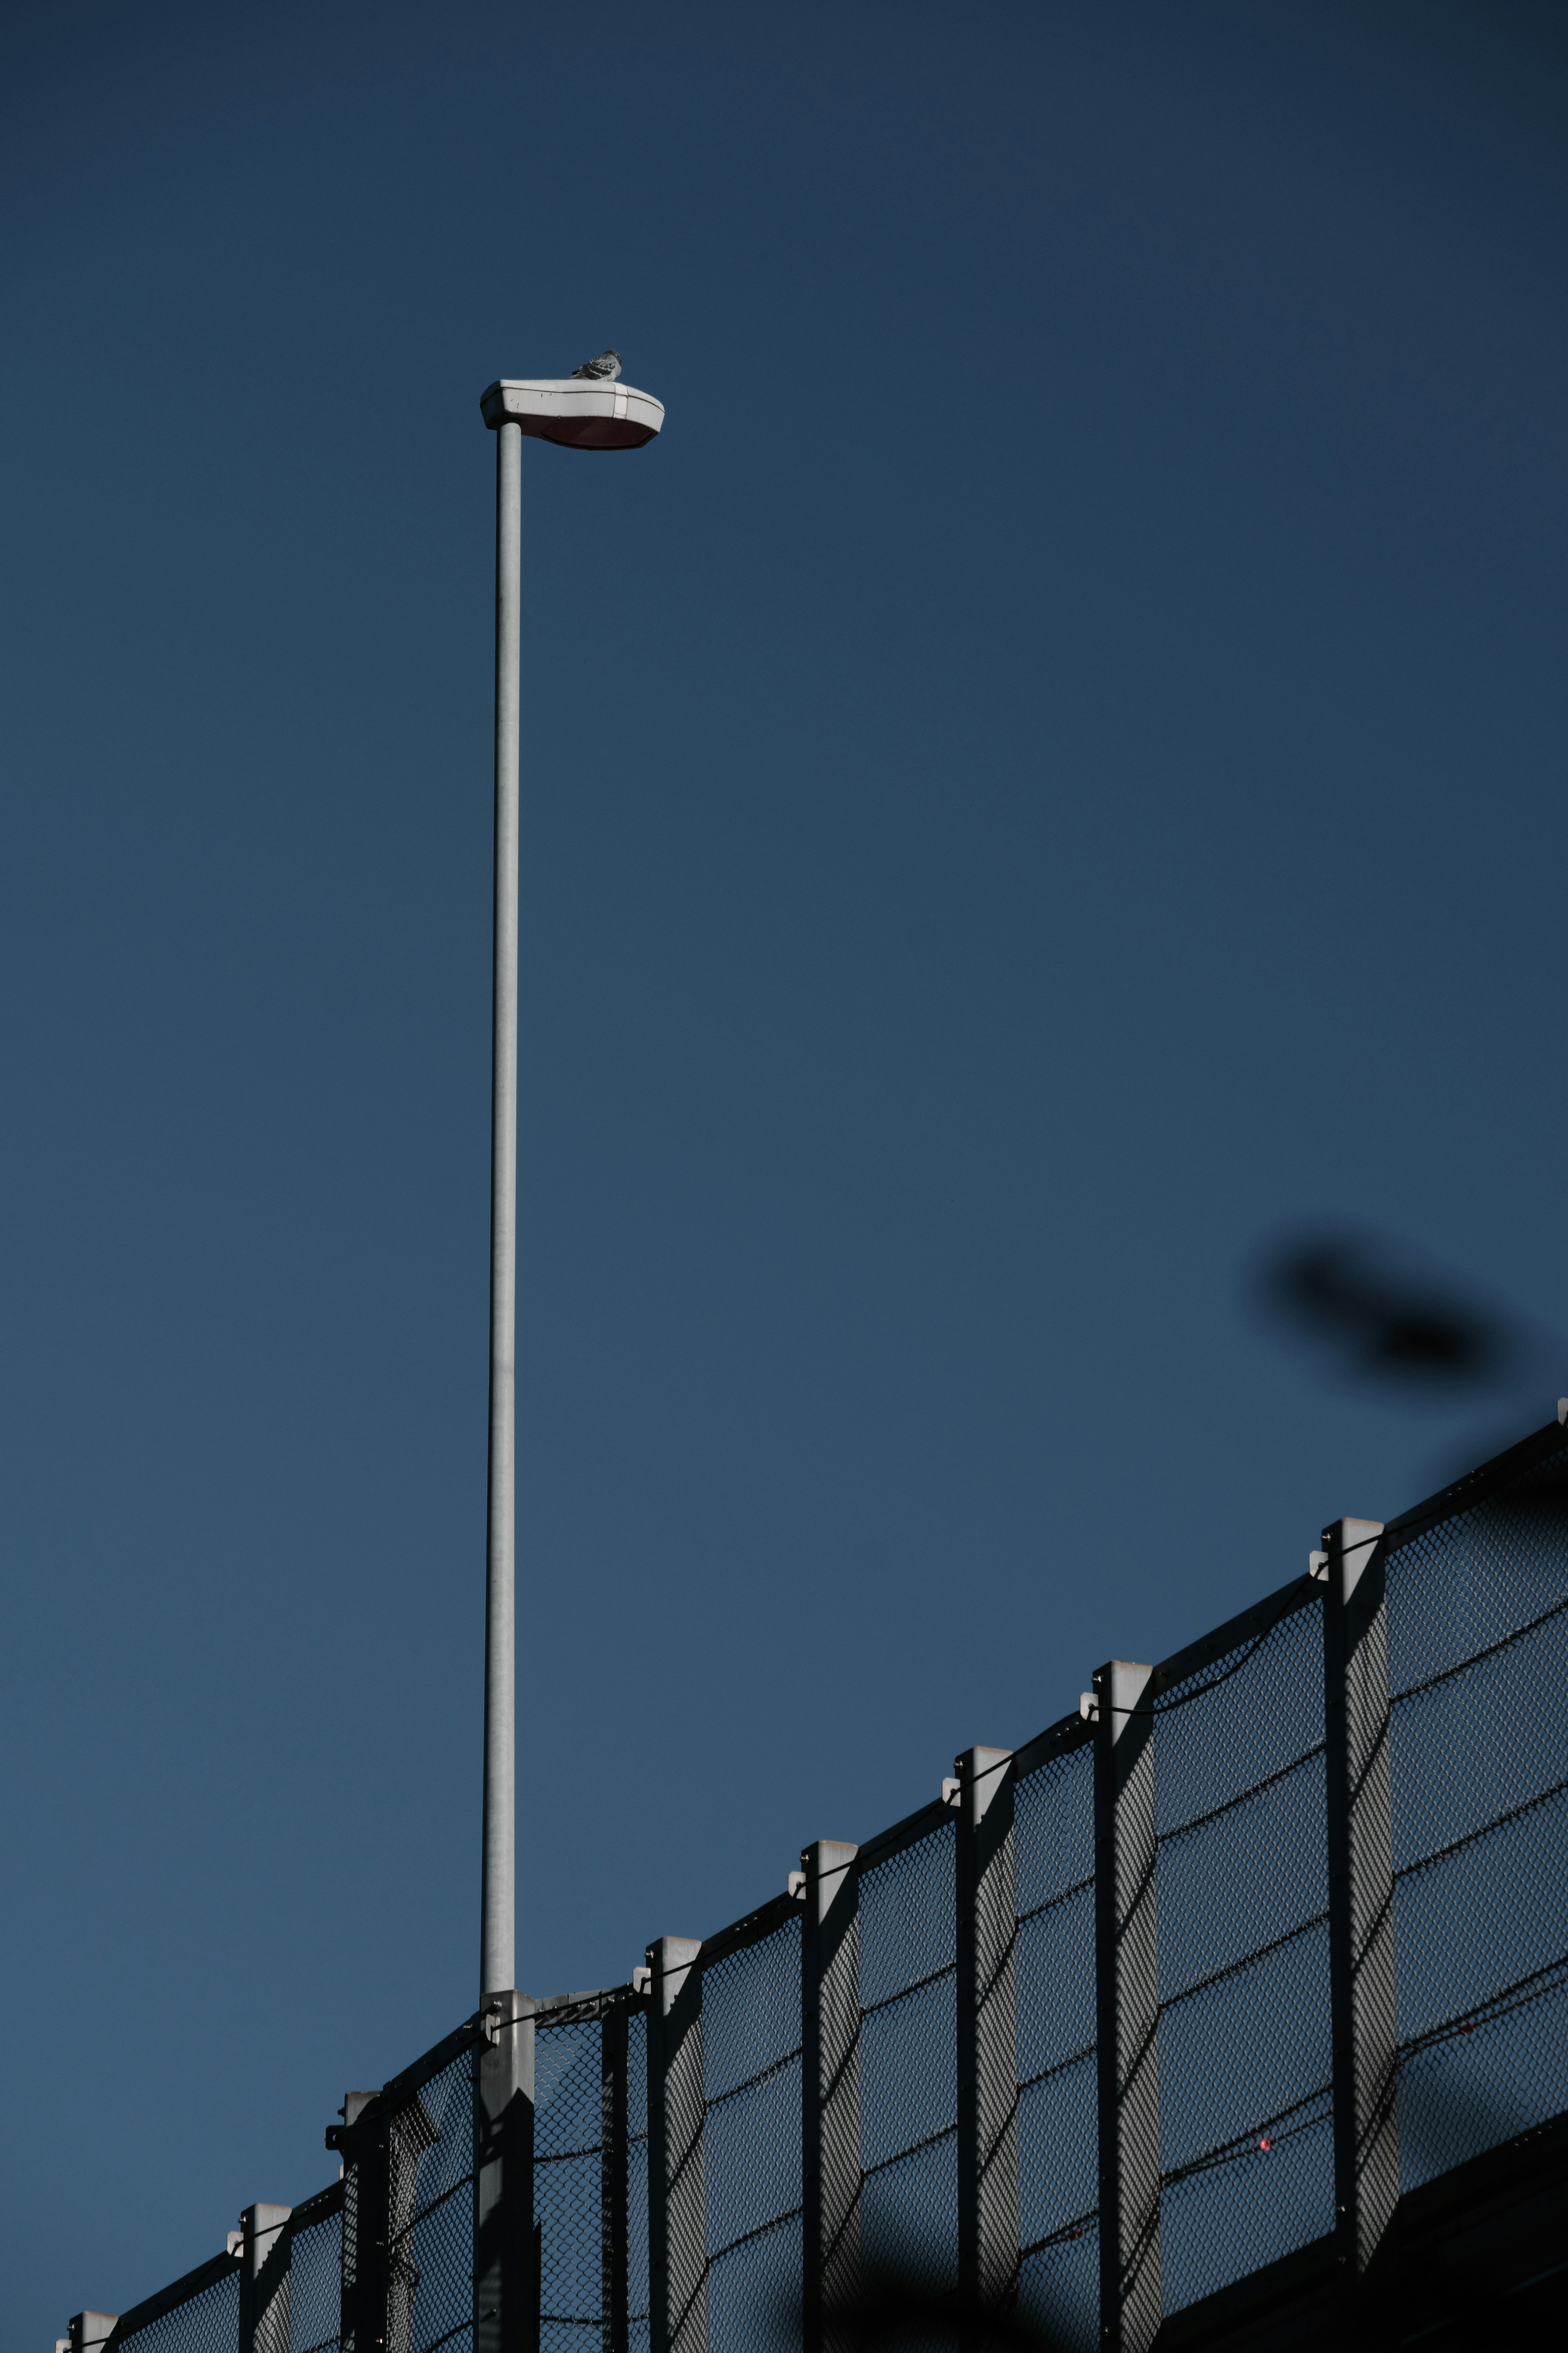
576, 414
497, 1894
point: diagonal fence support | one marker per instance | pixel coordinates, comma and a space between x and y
830, 2089
987, 2032
264, 2279
614, 2153
506, 2242
676, 2204
1361, 1891
1127, 2007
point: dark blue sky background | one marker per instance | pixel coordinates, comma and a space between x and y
1051, 768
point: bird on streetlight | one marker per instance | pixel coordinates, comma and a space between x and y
604, 370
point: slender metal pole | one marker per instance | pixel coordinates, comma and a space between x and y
497, 1915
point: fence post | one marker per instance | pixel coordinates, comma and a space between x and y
987, 2031
264, 2280
677, 2206
88, 2332
364, 2140
830, 2086
1127, 2007
1361, 1890
614, 2151
506, 2243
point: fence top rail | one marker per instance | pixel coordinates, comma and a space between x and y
908, 1832
1247, 1625
169, 2299
749, 1931
401, 2088
1475, 1487
318, 2208
1059, 1739
581, 2008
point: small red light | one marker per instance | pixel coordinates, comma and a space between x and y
1075, 2232
1266, 2143
1468, 2027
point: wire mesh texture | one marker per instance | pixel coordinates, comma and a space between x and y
909, 2069
751, 2139
348, 2257
1476, 1619
1477, 1640
1241, 1893
430, 2241
207, 2322
1053, 1852
568, 2186
315, 2252
638, 2302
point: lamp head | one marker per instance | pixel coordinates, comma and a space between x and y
574, 412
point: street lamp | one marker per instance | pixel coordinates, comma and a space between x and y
576, 413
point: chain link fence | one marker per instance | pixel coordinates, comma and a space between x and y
1246, 2063
638, 2315
568, 2182
315, 2273
752, 2137
431, 2238
200, 2314
1058, 2236
1244, 2173
908, 2102
1477, 1641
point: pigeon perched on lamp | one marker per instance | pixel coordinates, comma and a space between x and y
603, 370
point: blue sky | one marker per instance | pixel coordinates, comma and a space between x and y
1048, 772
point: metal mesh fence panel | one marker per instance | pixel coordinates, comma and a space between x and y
751, 2128
908, 2071
431, 2238
1477, 1621
637, 2182
315, 2251
348, 2230
1477, 1634
1059, 2276
207, 2322
1245, 2062
568, 2190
